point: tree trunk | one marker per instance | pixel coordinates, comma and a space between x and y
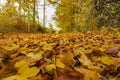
44, 14
34, 13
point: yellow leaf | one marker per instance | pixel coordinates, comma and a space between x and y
86, 46
50, 67
23, 52
92, 75
118, 54
107, 60
102, 49
8, 48
59, 63
111, 78
114, 78
96, 68
37, 56
14, 77
82, 70
33, 71
67, 59
88, 51
21, 64
11, 47
47, 46
88, 74
113, 10
29, 72
106, 17
84, 60
24, 70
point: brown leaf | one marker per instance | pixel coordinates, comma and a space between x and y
73, 75
68, 74
112, 51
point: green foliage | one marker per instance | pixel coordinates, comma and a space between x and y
83, 15
19, 16
7, 19
47, 29
72, 15
107, 13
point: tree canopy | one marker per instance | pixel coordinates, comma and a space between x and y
70, 15
81, 15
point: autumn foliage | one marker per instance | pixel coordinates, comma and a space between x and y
94, 55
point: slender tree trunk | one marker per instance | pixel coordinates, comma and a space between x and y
34, 11
38, 10
44, 14
19, 7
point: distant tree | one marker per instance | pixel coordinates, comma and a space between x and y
25, 15
81, 15
107, 12
8, 18
72, 15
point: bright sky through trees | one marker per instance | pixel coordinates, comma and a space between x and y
2, 2
50, 11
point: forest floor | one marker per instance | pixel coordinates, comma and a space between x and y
94, 55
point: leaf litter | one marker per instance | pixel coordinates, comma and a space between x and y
93, 55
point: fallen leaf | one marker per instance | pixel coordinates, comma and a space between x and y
112, 51
68, 59
84, 60
59, 63
50, 67
37, 56
118, 54
24, 71
107, 60
92, 75
14, 77
29, 72
21, 64
95, 68
11, 47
